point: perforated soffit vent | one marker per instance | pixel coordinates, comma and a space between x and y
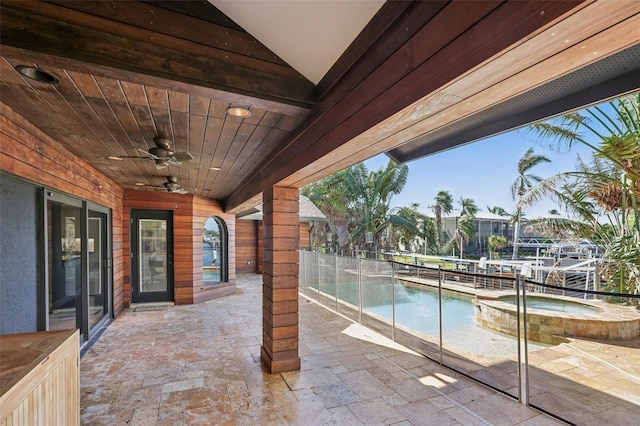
609, 78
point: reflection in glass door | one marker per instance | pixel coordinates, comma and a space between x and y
98, 260
152, 250
65, 265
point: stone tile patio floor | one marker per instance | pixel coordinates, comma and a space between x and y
200, 365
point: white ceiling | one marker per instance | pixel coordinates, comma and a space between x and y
310, 35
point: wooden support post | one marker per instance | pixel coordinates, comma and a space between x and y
280, 280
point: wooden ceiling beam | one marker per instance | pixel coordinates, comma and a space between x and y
80, 36
494, 83
429, 63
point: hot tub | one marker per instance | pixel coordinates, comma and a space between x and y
553, 318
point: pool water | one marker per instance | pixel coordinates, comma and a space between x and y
553, 305
210, 275
417, 309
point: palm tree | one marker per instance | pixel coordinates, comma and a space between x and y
370, 196
496, 242
407, 230
521, 185
428, 234
602, 196
443, 205
468, 206
329, 195
465, 230
498, 210
357, 202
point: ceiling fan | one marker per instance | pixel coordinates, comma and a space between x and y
171, 185
163, 155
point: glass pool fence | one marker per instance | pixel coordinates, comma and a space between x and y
526, 339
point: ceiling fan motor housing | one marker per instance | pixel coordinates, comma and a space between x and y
161, 152
172, 186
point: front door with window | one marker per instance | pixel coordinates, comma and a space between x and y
151, 256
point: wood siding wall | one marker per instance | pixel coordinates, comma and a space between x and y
28, 153
189, 216
249, 244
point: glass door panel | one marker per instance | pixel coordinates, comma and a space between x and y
97, 267
65, 265
152, 251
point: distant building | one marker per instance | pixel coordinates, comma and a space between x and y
486, 225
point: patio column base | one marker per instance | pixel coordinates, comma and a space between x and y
278, 366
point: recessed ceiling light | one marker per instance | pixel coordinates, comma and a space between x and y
114, 158
215, 168
241, 112
37, 74
140, 184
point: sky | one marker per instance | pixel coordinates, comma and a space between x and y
482, 170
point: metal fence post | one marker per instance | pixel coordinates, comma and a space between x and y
518, 325
336, 279
393, 303
304, 272
526, 342
318, 275
440, 309
360, 298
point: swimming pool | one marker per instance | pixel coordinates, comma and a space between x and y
417, 309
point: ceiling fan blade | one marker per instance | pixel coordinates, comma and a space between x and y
182, 156
147, 153
162, 163
187, 191
125, 157
186, 165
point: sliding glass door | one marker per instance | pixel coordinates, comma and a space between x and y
78, 264
98, 266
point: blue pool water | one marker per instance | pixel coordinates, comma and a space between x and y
211, 275
417, 309
210, 259
553, 305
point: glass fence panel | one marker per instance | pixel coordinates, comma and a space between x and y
310, 270
495, 276
580, 348
325, 291
588, 372
302, 278
479, 338
377, 295
417, 309
348, 299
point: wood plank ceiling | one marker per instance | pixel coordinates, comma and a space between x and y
106, 109
131, 71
